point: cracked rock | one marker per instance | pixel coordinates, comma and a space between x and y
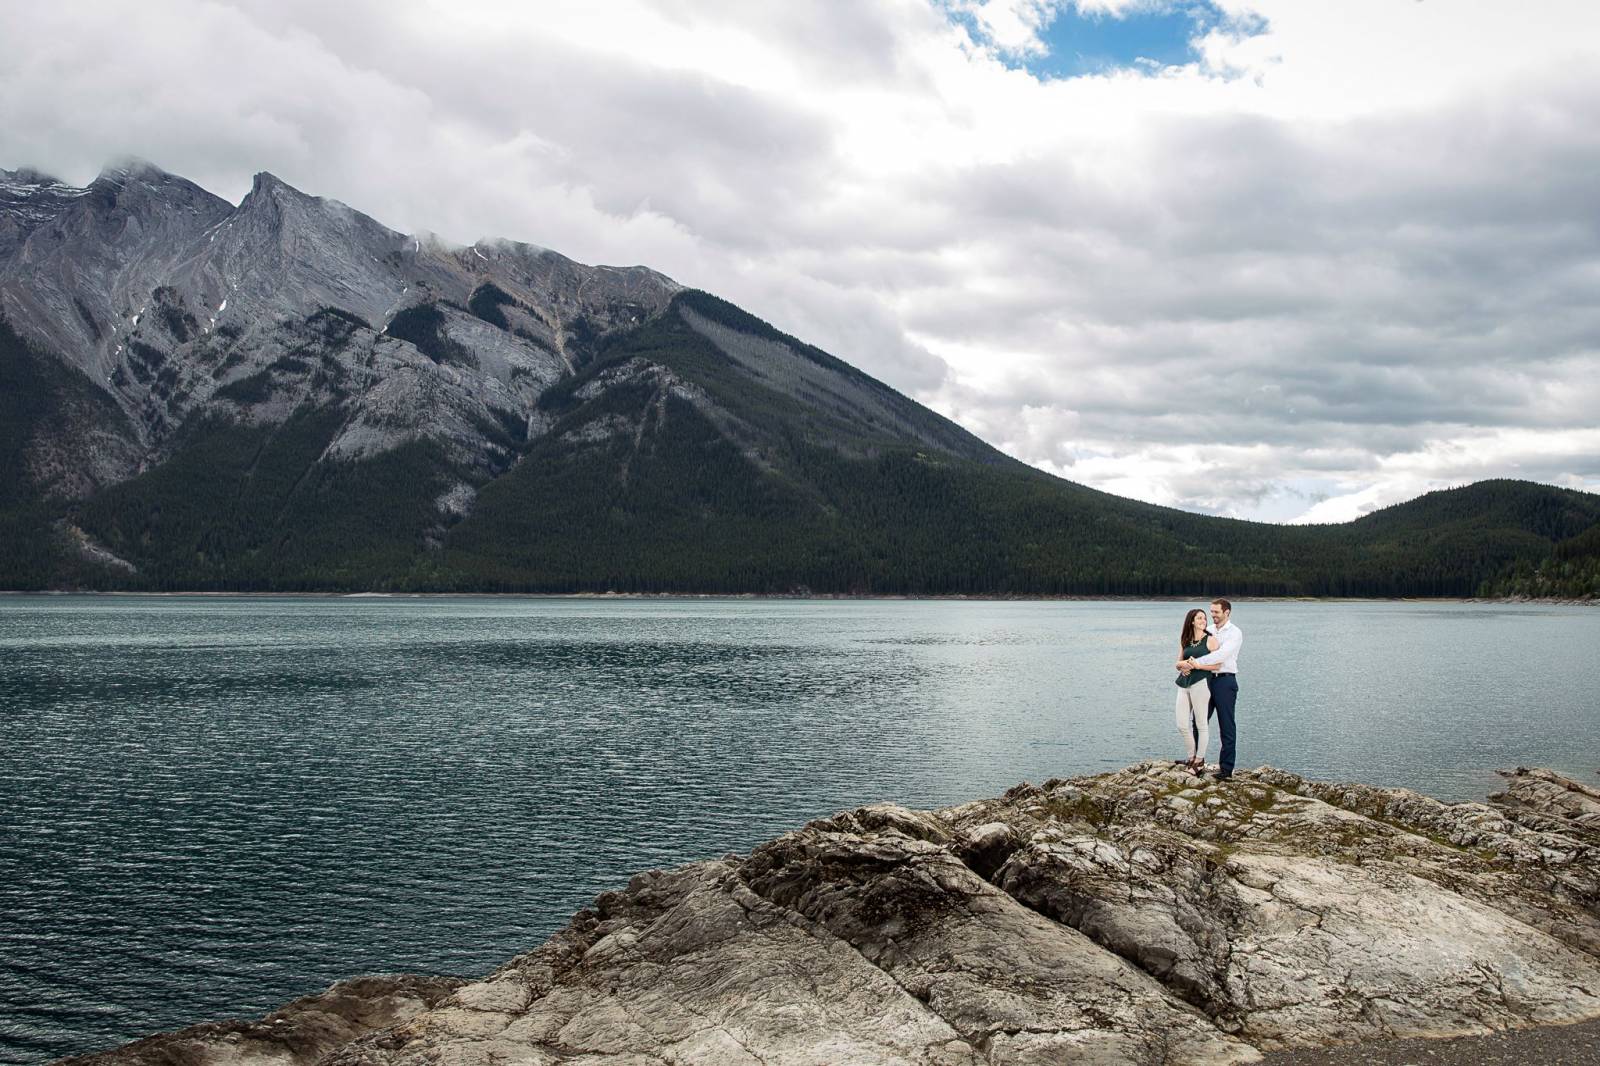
1133, 917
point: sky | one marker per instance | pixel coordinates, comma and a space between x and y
1286, 260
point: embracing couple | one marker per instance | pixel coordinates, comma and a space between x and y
1208, 684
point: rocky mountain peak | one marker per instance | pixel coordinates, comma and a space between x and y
272, 197
267, 187
131, 168
266, 183
138, 187
26, 176
29, 198
272, 194
136, 184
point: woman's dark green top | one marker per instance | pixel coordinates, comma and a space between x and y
1193, 676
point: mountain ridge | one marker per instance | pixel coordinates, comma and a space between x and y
287, 394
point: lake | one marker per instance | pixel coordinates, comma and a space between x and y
211, 805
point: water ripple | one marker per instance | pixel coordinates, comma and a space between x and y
211, 805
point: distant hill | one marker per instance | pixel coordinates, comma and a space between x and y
285, 394
1570, 572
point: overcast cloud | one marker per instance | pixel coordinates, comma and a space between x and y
1349, 252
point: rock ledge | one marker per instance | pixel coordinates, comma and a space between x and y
1142, 916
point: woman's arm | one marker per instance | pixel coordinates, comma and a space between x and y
1212, 643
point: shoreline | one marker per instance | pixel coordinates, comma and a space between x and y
820, 597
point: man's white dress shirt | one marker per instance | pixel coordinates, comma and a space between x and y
1230, 638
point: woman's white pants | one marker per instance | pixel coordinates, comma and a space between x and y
1193, 725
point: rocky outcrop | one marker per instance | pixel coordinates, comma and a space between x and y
1143, 916
296, 1034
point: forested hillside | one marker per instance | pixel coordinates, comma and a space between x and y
1570, 572
662, 467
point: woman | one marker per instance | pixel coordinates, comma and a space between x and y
1194, 694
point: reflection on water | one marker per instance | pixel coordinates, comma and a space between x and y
210, 805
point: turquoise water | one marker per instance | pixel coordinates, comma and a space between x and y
210, 805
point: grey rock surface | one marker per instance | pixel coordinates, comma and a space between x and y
297, 1034
1142, 916
1549, 1045
181, 306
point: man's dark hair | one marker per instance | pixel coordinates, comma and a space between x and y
1224, 604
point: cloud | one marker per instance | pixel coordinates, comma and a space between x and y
1346, 255
1568, 457
1012, 27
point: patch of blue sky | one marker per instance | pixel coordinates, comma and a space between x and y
1156, 34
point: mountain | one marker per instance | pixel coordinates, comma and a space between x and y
286, 394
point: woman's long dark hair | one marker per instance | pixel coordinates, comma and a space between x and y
1188, 627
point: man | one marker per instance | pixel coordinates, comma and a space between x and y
1224, 666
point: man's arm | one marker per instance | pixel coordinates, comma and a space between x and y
1228, 643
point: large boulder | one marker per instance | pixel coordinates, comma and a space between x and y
1143, 916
